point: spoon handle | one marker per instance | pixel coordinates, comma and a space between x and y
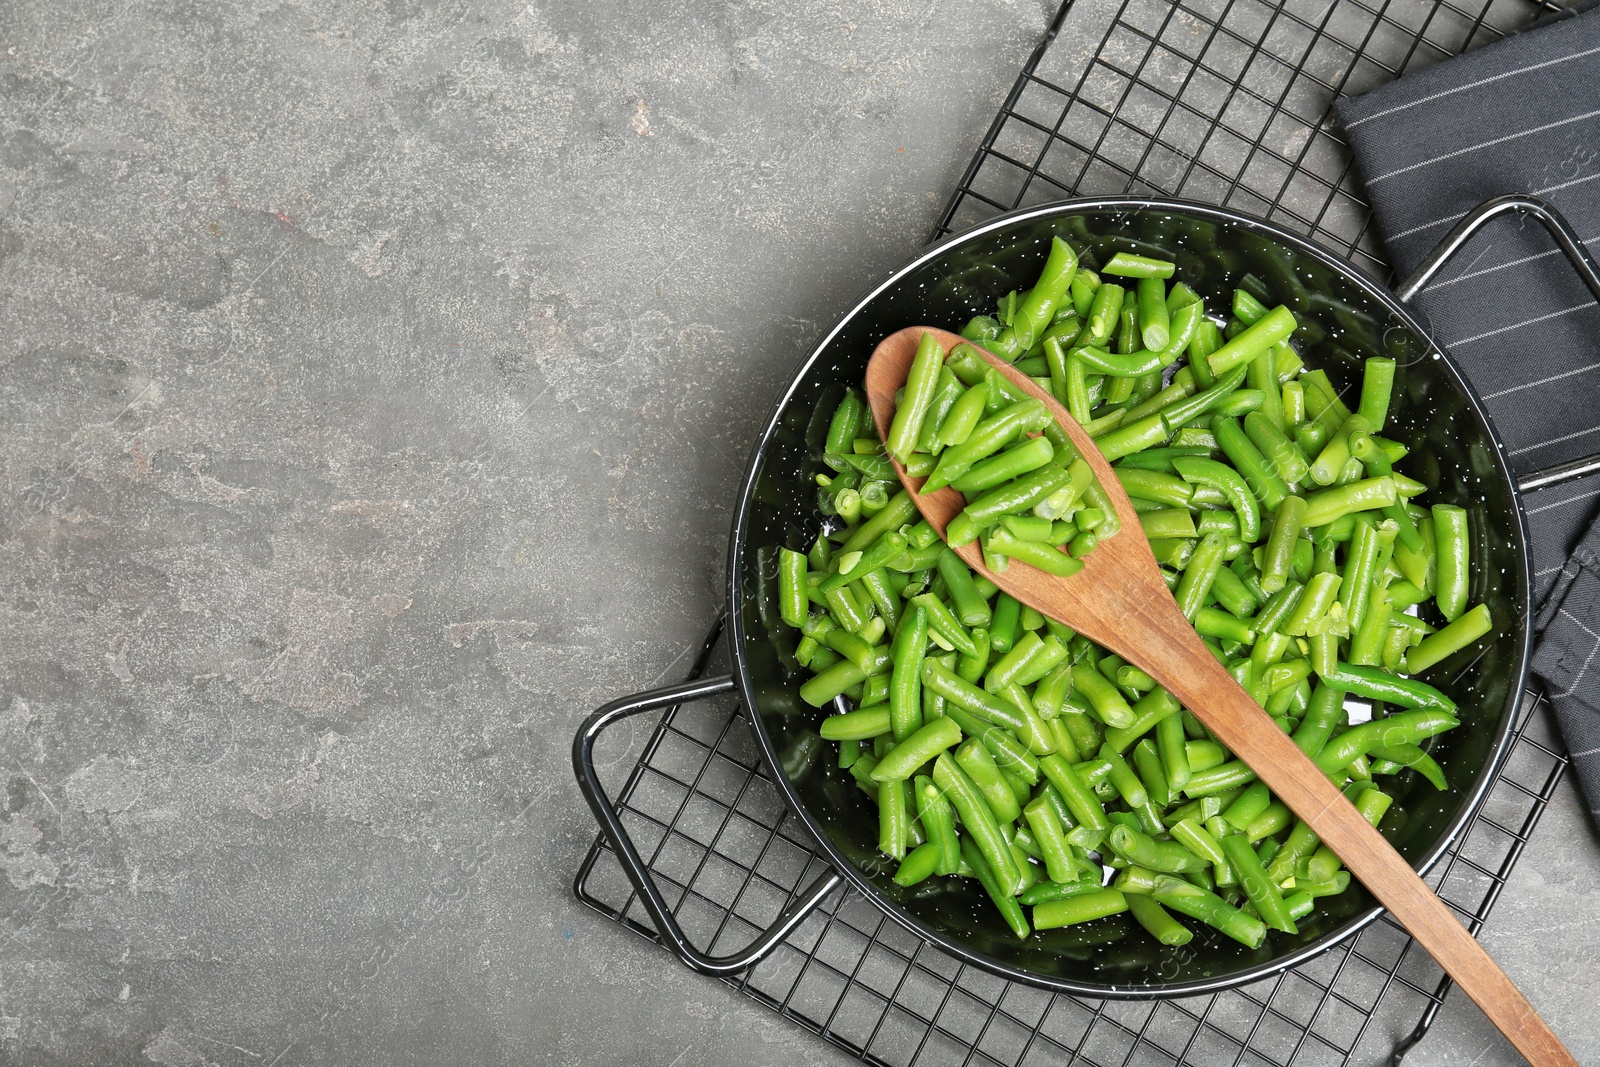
1182, 663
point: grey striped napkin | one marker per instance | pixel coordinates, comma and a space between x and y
1521, 115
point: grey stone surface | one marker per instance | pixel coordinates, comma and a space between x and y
374, 379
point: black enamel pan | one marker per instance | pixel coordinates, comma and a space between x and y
1345, 318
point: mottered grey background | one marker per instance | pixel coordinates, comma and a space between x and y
374, 381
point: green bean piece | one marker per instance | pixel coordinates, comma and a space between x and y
1210, 909
996, 882
1182, 412
1130, 265
1030, 319
1032, 454
1369, 494
1157, 922
1052, 841
987, 438
893, 819
1003, 624
1104, 698
1288, 462
1208, 472
1355, 589
1402, 728
1288, 522
942, 623
974, 758
1201, 572
1156, 486
971, 667
1124, 440
886, 548
1033, 528
979, 820
944, 397
1079, 908
1045, 557
1249, 804
1012, 498
1079, 797
1052, 653
1466, 629
1377, 384
937, 818
1174, 757
899, 511
1263, 481
1262, 377
963, 416
1152, 709
1167, 522
793, 601
911, 753
860, 725
1152, 773
1450, 543
1218, 779
1012, 663
920, 864
1103, 314
1276, 325
1118, 364
823, 687
1034, 734
1380, 685
1316, 600
921, 383
1258, 886
1366, 645
1154, 319
1293, 396
1123, 780
846, 422
957, 690
1198, 841
1131, 677
971, 608
981, 328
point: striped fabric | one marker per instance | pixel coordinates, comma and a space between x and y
1518, 116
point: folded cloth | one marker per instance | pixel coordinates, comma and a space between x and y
1521, 115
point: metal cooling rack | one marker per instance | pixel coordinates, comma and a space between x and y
729, 857
1225, 101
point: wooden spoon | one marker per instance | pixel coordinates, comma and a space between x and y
1119, 600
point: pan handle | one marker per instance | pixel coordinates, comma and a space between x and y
633, 864
1571, 246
